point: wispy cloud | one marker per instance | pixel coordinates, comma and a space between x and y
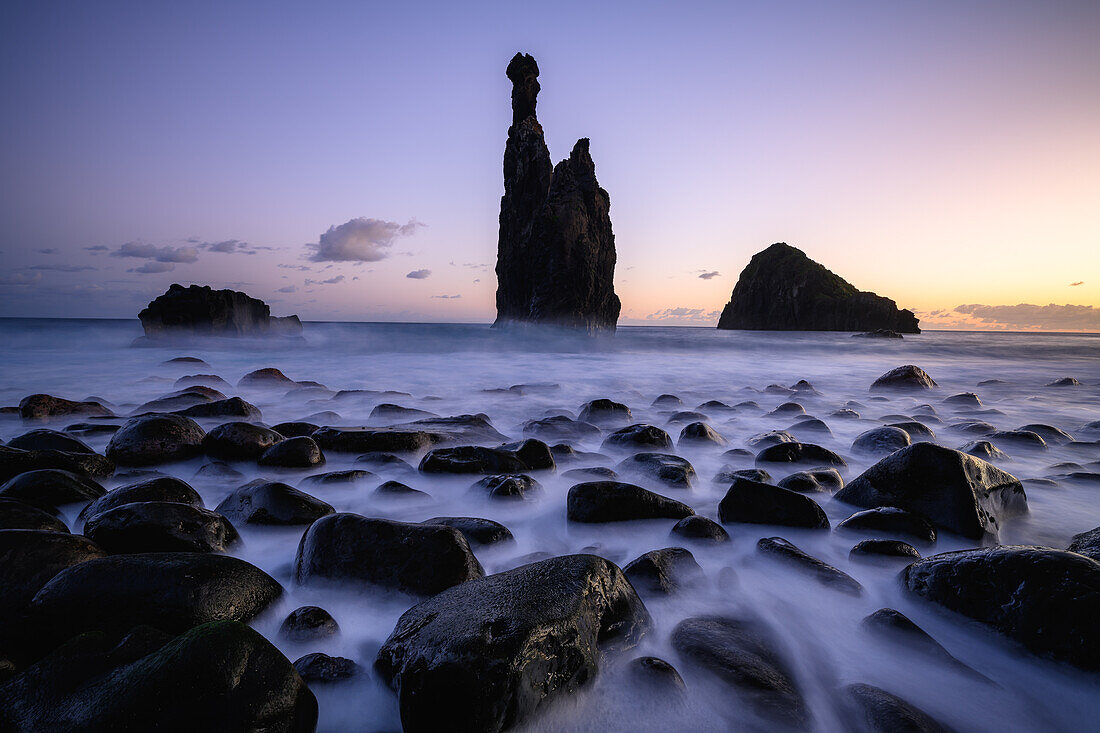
151, 268
62, 268
160, 254
1079, 282
709, 275
21, 278
684, 315
360, 240
419, 274
330, 281
47, 251
1051, 317
287, 289
447, 297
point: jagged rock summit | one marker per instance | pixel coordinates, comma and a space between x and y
556, 252
202, 311
782, 289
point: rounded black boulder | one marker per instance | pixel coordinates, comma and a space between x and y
294, 429
476, 530
309, 623
19, 515
272, 502
638, 436
152, 439
320, 667
49, 488
160, 488
668, 469
489, 652
1087, 544
699, 433
663, 572
30, 558
45, 439
1048, 600
160, 526
172, 591
955, 491
615, 501
300, 452
604, 411
882, 712
872, 549
786, 551
471, 459
14, 462
696, 527
890, 520
239, 441
753, 502
904, 378
507, 486
421, 559
881, 441
795, 452
220, 676
816, 481
560, 427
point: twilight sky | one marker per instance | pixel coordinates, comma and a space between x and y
342, 160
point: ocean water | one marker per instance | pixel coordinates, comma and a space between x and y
456, 369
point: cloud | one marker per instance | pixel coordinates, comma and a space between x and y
287, 289
47, 251
63, 268
21, 278
447, 297
98, 248
160, 254
1050, 317
360, 240
229, 245
330, 281
683, 315
709, 275
419, 274
1079, 282
150, 268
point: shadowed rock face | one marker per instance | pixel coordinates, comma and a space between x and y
201, 310
782, 289
556, 251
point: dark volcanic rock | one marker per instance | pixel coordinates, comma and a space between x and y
817, 481
795, 452
638, 436
319, 667
786, 551
43, 406
955, 491
49, 488
300, 452
337, 478
699, 433
14, 462
604, 411
152, 439
161, 488
668, 469
613, 501
756, 503
560, 427
45, 439
1087, 543
556, 250
31, 558
881, 441
663, 572
295, 429
172, 591
309, 623
883, 548
908, 377
471, 459
781, 289
371, 440
696, 527
1046, 599
886, 713
477, 531
489, 652
231, 407
891, 520
160, 526
271, 502
535, 454
422, 559
398, 490
507, 486
219, 676
239, 441
18, 515
203, 311
743, 655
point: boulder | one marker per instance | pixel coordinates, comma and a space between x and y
339, 478
160, 488
699, 433
614, 501
663, 572
881, 441
14, 462
45, 439
202, 311
1048, 600
604, 411
882, 712
217, 676
272, 502
420, 559
295, 429
1086, 543
556, 249
231, 407
489, 652
638, 436
31, 558
507, 486
300, 452
816, 481
15, 514
368, 440
535, 454
904, 378
668, 469
49, 488
985, 450
871, 549
477, 531
398, 490
795, 452
319, 667
753, 502
471, 459
160, 526
786, 551
560, 427
696, 527
892, 521
955, 491
781, 289
153, 439
44, 406
239, 441
308, 623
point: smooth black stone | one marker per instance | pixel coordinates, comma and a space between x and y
893, 521
300, 452
614, 501
15, 514
883, 712
239, 441
757, 503
799, 453
508, 486
883, 548
49, 488
663, 572
668, 469
160, 526
699, 433
477, 531
817, 481
319, 667
45, 439
308, 623
880, 441
153, 439
638, 436
295, 429
160, 488
904, 378
272, 502
696, 527
786, 551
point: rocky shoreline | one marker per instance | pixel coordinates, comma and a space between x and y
132, 538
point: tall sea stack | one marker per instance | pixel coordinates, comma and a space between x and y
556, 251
782, 289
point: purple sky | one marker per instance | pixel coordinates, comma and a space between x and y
343, 160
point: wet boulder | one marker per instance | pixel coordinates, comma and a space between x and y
816, 481
696, 527
882, 712
605, 412
1019, 439
217, 676
668, 469
795, 452
904, 378
346, 477
743, 655
534, 453
45, 439
319, 667
420, 559
699, 433
50, 488
1048, 600
383, 462
785, 551
1086, 543
44, 406
160, 526
398, 490
663, 572
153, 439
308, 623
508, 486
489, 652
753, 502
614, 501
31, 558
891, 521
216, 409
1048, 433
14, 462
560, 427
19, 515
638, 436
300, 452
873, 549
239, 441
963, 399
272, 502
267, 377
471, 459
171, 591
985, 450
295, 429
881, 441
160, 488
955, 491
476, 530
